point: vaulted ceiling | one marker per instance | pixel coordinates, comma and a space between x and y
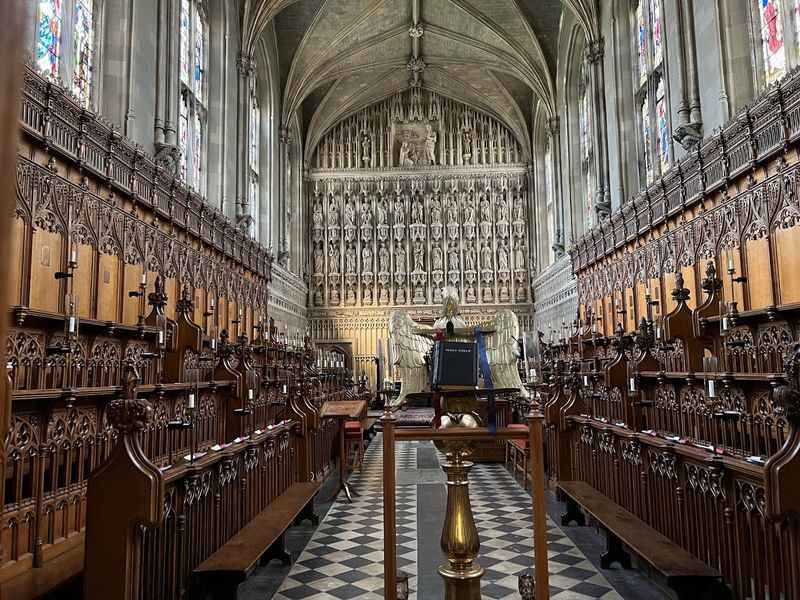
338, 56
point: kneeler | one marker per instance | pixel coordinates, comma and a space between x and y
518, 451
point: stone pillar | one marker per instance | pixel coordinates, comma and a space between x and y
167, 88
689, 131
534, 222
245, 65
284, 197
595, 51
554, 131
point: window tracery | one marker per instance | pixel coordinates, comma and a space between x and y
254, 157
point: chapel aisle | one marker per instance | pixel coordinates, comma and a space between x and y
344, 557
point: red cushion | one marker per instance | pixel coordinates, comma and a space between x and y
352, 425
518, 426
521, 444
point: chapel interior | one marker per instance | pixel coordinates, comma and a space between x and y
391, 299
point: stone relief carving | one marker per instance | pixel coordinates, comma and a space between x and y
469, 232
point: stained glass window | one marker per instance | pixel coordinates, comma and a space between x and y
83, 48
641, 41
192, 126
185, 37
651, 92
772, 43
662, 127
796, 11
48, 36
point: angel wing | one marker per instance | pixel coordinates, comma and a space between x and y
409, 356
502, 351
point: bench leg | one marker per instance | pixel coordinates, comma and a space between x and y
277, 550
615, 552
573, 514
307, 514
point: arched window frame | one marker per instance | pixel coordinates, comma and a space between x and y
650, 90
193, 82
70, 54
775, 31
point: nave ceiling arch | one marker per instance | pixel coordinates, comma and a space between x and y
337, 58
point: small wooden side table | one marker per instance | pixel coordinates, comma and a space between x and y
342, 410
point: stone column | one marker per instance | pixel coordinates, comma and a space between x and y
690, 122
554, 131
245, 65
284, 196
595, 51
167, 87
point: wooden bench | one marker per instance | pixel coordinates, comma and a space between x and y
688, 576
261, 540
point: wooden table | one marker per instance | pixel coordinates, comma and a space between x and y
342, 410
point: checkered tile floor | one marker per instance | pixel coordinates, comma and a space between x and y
344, 558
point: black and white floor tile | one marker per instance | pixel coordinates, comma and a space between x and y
344, 558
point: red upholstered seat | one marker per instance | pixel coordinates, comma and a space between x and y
353, 429
521, 444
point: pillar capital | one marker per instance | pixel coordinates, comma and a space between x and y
595, 50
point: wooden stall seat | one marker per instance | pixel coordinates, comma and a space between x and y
517, 454
220, 575
689, 577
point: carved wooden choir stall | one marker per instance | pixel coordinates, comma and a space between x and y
671, 403
140, 342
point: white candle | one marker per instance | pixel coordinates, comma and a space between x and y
212, 304
72, 324
73, 255
730, 263
712, 392
724, 323
250, 394
191, 400
161, 337
144, 277
633, 384
213, 343
284, 389
585, 381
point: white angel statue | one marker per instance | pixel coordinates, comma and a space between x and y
413, 341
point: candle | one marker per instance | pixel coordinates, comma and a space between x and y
73, 255
212, 304
585, 381
712, 392
250, 394
161, 337
144, 277
191, 400
72, 324
284, 389
633, 384
213, 343
730, 263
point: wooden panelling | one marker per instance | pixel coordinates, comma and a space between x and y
45, 263
108, 288
759, 273
787, 249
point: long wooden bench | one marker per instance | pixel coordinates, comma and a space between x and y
261, 540
688, 576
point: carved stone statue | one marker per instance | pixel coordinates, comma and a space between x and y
350, 260
319, 260
486, 256
333, 213
317, 215
436, 254
519, 212
436, 212
486, 209
502, 259
466, 144
383, 259
419, 256
399, 211
519, 258
366, 214
469, 213
366, 259
400, 259
416, 212
430, 145
408, 154
452, 212
366, 148
381, 213
333, 259
349, 215
470, 258
452, 258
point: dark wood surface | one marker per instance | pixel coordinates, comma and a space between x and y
353, 409
657, 550
240, 554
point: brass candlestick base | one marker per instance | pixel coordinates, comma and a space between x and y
460, 543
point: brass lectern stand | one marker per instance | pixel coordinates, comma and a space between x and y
460, 535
